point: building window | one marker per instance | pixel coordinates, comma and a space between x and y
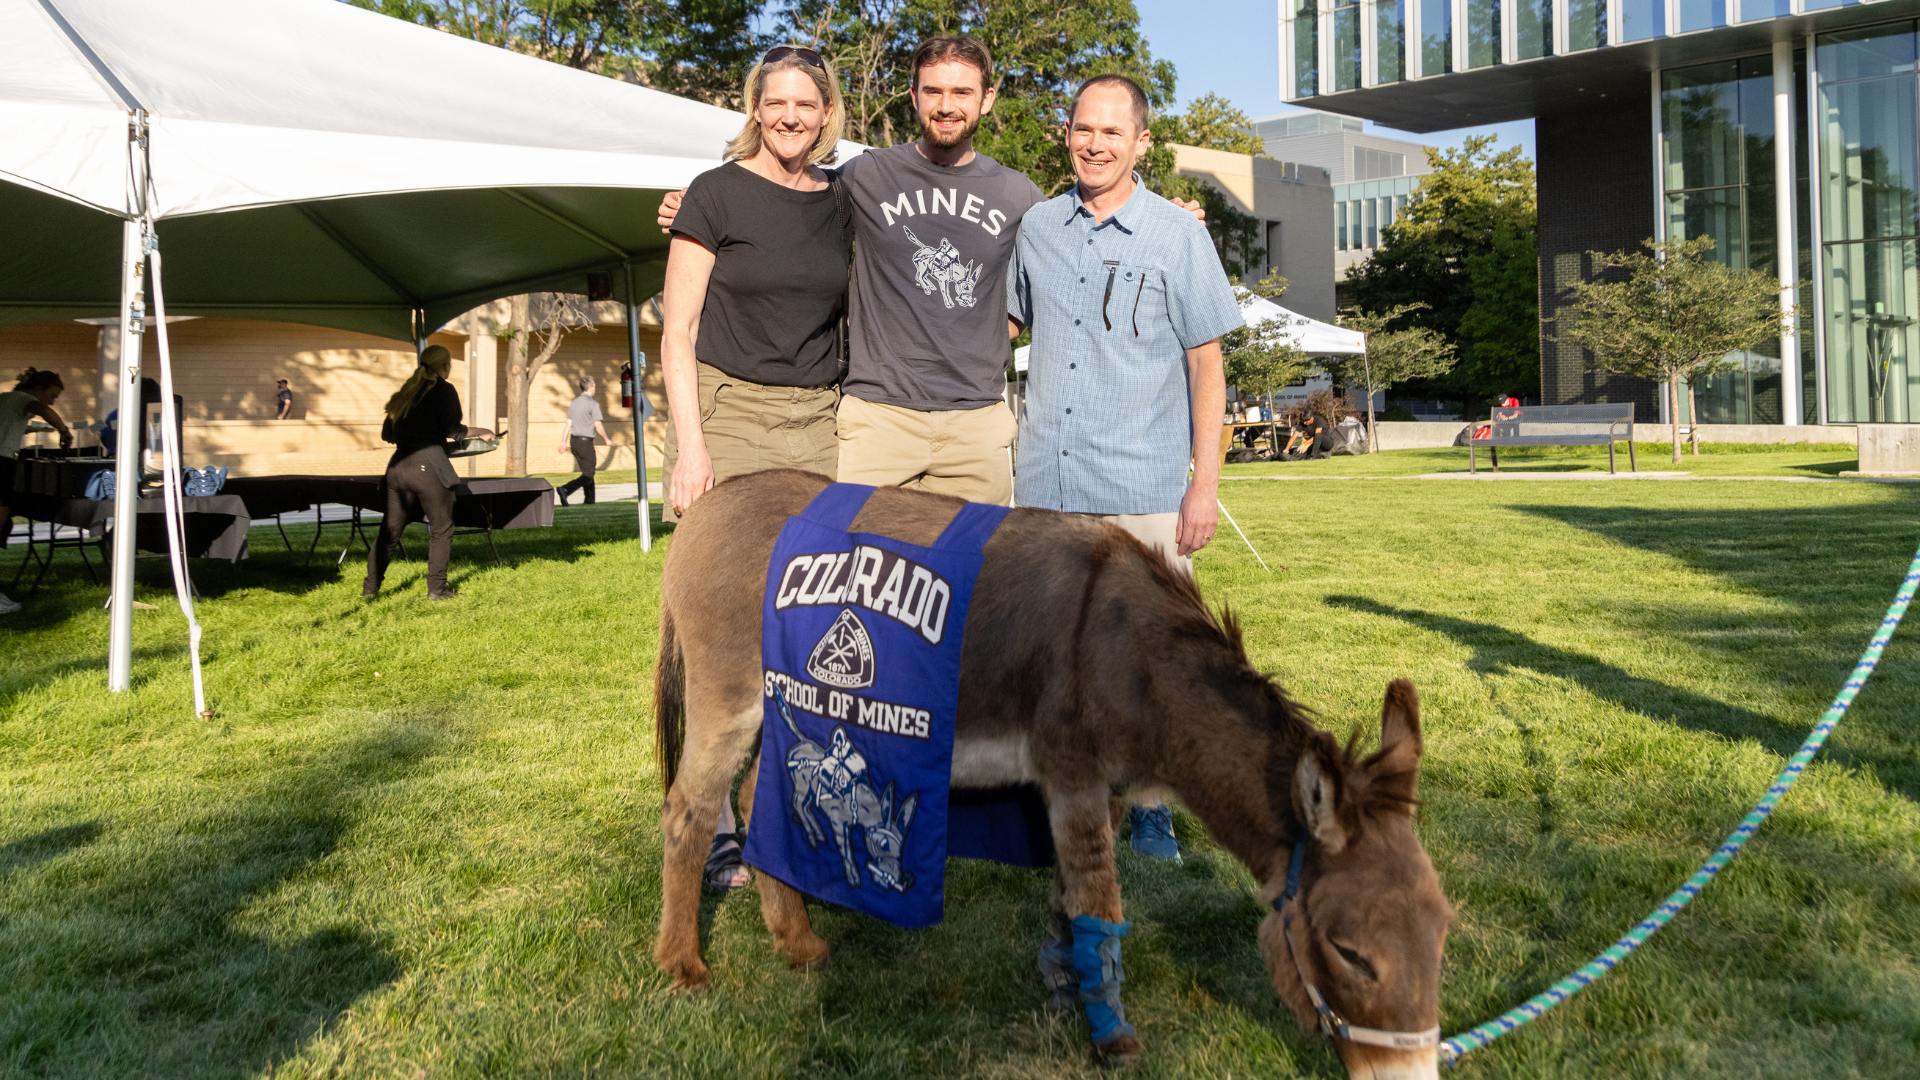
1483, 33
1436, 37
1533, 29
1340, 226
1586, 24
1371, 164
1642, 19
1716, 126
1390, 40
1868, 183
1273, 247
1702, 14
1372, 236
1306, 49
1346, 45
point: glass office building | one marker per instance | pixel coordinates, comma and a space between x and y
1785, 130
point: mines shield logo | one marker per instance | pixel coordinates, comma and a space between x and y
843, 657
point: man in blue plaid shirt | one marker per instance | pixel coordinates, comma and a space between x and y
1127, 301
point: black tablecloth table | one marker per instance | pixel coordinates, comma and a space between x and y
480, 505
216, 527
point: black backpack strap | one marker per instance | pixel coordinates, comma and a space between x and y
842, 206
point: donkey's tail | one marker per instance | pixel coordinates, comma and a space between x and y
669, 702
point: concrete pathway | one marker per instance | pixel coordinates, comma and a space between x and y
1581, 476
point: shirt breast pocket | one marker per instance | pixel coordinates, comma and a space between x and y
1138, 306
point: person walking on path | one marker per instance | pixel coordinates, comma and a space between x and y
32, 397
1127, 301
284, 396
583, 424
423, 416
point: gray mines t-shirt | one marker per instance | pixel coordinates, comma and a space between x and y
932, 245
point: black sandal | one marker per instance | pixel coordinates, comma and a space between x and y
724, 863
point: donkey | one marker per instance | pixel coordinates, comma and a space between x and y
835, 783
1094, 669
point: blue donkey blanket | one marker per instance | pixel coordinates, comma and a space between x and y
860, 649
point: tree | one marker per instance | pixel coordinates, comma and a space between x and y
1262, 359
1464, 242
1211, 121
1672, 312
1391, 356
538, 322
1042, 52
696, 48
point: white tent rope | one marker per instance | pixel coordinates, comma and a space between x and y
176, 527
1243, 537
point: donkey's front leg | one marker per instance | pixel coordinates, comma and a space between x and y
1086, 896
781, 904
716, 743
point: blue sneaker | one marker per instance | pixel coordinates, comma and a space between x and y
1153, 832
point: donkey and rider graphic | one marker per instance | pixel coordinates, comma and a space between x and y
942, 267
835, 783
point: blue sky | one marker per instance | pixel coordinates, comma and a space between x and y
1232, 48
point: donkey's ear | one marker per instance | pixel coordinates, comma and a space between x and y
906, 812
1316, 795
886, 800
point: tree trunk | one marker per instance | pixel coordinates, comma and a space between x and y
516, 378
1673, 411
1273, 428
1372, 445
1693, 418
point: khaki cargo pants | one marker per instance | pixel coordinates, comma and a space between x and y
750, 427
952, 452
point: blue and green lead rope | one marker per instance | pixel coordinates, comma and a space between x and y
1456, 1047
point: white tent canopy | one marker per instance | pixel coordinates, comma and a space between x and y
314, 162
1310, 336
307, 161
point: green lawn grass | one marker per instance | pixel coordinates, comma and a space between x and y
421, 839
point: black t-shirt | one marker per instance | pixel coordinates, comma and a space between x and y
779, 278
433, 420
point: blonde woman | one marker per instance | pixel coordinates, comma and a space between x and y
423, 416
756, 283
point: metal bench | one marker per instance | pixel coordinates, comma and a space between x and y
1554, 425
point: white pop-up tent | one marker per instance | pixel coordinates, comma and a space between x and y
1310, 336
307, 161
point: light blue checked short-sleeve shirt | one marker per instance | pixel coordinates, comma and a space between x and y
1114, 306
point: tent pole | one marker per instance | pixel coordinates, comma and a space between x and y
132, 421
639, 361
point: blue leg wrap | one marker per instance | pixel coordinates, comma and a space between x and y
1096, 956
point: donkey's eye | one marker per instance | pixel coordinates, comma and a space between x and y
1354, 960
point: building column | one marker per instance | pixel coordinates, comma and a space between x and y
1786, 231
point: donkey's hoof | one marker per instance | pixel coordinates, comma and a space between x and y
691, 978
1119, 1050
809, 955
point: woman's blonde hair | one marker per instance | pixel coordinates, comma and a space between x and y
434, 362
825, 146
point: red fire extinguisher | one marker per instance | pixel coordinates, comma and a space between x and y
626, 386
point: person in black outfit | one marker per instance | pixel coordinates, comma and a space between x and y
422, 417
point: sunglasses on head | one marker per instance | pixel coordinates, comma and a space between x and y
807, 56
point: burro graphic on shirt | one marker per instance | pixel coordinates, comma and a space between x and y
943, 269
914, 203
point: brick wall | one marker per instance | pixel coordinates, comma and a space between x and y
224, 370
1596, 176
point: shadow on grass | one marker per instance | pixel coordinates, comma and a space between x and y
1496, 650
126, 951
